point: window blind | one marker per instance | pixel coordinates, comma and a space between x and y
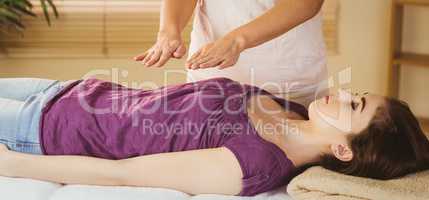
330, 12
103, 29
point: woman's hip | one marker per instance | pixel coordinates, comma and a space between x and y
19, 119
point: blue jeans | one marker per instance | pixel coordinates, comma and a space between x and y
21, 103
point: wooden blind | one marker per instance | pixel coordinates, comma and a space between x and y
102, 29
330, 25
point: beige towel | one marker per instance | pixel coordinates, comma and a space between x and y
317, 183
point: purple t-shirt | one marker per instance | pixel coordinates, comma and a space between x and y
102, 119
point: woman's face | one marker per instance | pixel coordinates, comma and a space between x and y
345, 112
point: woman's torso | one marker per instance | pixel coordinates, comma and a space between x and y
290, 62
107, 120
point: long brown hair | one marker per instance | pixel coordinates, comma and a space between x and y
392, 146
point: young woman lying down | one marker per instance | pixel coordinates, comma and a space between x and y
212, 136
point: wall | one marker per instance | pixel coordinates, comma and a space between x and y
414, 79
363, 46
363, 42
364, 25
63, 69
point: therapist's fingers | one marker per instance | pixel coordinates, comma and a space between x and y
180, 51
141, 56
223, 64
148, 57
155, 57
200, 61
166, 54
202, 52
203, 57
211, 63
227, 63
195, 56
192, 59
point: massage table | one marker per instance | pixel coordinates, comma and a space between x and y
25, 189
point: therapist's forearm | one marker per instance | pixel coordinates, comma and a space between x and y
284, 16
175, 14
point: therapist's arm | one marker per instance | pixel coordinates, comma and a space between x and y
284, 16
175, 15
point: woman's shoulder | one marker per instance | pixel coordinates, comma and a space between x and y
264, 167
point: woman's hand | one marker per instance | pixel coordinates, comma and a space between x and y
3, 150
4, 160
222, 53
168, 45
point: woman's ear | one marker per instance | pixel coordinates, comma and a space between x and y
342, 152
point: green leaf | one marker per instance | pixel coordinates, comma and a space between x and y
8, 21
54, 8
7, 13
11, 12
28, 3
45, 11
23, 10
22, 7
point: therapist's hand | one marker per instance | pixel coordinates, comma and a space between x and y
222, 53
168, 45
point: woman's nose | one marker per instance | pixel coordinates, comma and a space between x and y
344, 96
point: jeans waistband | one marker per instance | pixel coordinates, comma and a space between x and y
65, 83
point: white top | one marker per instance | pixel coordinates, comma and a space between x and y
293, 61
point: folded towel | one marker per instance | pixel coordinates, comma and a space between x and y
321, 184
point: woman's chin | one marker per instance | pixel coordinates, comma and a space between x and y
311, 109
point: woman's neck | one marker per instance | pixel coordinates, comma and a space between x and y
303, 145
296, 137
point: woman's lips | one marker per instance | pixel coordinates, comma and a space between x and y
327, 99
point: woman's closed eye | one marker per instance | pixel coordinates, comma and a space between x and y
354, 105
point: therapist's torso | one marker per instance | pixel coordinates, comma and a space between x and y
291, 62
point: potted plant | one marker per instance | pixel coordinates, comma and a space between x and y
12, 11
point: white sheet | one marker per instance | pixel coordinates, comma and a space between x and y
24, 189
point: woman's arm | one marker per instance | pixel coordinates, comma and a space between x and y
284, 16
175, 14
213, 171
